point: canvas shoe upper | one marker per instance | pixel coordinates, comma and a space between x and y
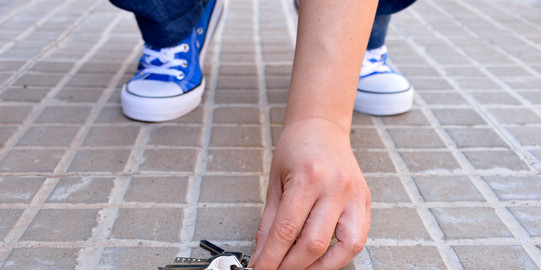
169, 82
380, 89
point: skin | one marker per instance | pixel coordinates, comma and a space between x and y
316, 188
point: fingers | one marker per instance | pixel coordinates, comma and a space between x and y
351, 233
293, 210
271, 206
316, 236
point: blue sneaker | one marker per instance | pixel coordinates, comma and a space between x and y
380, 90
169, 82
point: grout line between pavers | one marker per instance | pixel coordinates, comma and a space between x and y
480, 173
265, 118
90, 255
49, 184
501, 26
374, 242
37, 109
16, 10
189, 219
375, 205
386, 242
26, 218
53, 45
494, 123
510, 221
430, 223
32, 28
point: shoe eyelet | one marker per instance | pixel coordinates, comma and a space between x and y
180, 75
184, 64
200, 30
185, 48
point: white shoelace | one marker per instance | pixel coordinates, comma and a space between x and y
374, 61
167, 57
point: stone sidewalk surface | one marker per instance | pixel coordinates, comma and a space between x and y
455, 182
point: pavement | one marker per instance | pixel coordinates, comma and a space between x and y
455, 182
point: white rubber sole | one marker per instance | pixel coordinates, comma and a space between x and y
160, 109
385, 104
153, 109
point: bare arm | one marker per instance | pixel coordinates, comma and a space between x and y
315, 183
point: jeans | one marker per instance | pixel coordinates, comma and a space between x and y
383, 17
165, 23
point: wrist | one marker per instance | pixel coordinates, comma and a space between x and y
319, 124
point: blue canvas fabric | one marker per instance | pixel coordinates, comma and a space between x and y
165, 23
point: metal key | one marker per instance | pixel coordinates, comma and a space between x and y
216, 250
187, 264
200, 264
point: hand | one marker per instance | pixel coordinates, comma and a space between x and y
316, 188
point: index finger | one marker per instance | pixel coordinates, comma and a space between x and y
288, 222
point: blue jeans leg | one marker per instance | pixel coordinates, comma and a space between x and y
383, 17
164, 23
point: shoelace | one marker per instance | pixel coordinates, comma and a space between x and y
167, 57
374, 61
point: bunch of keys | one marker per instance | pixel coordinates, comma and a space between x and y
220, 260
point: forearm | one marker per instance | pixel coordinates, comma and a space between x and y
331, 41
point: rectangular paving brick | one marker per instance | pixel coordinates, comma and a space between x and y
28, 160
374, 161
21, 94
64, 115
470, 222
136, 258
86, 190
415, 138
99, 160
9, 217
475, 137
236, 115
447, 188
412, 118
466, 117
5, 133
434, 161
385, 225
231, 223
161, 224
502, 257
80, 94
169, 160
443, 98
528, 218
365, 138
14, 114
235, 96
111, 136
175, 136
237, 160
515, 187
386, 189
527, 136
236, 136
230, 189
19, 189
42, 258
49, 136
518, 116
75, 225
157, 189
491, 98
486, 160
415, 257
